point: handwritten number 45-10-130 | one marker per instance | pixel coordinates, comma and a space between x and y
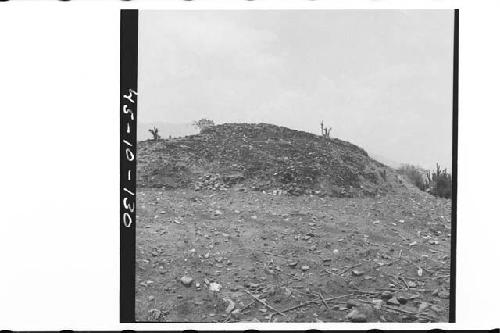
129, 206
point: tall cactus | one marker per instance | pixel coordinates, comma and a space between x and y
154, 132
325, 132
440, 182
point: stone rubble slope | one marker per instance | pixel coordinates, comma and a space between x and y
263, 157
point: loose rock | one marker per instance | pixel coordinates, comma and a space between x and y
230, 306
186, 281
214, 286
356, 272
386, 295
393, 301
356, 316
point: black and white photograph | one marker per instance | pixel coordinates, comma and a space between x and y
294, 166
235, 165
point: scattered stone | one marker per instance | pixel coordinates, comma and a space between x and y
292, 264
218, 212
230, 306
402, 299
356, 272
151, 298
352, 284
386, 295
412, 284
393, 301
236, 314
377, 303
436, 308
356, 316
423, 306
352, 303
186, 281
214, 287
154, 314
304, 268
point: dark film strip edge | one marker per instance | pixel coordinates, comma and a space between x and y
128, 164
453, 270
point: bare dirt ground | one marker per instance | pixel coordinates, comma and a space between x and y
229, 256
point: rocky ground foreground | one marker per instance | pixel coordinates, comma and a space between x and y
241, 255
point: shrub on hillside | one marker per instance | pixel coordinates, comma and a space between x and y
203, 123
438, 183
416, 175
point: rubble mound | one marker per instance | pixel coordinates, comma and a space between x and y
262, 157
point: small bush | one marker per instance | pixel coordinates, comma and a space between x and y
440, 183
203, 123
416, 175
437, 183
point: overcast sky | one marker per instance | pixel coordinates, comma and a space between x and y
380, 79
